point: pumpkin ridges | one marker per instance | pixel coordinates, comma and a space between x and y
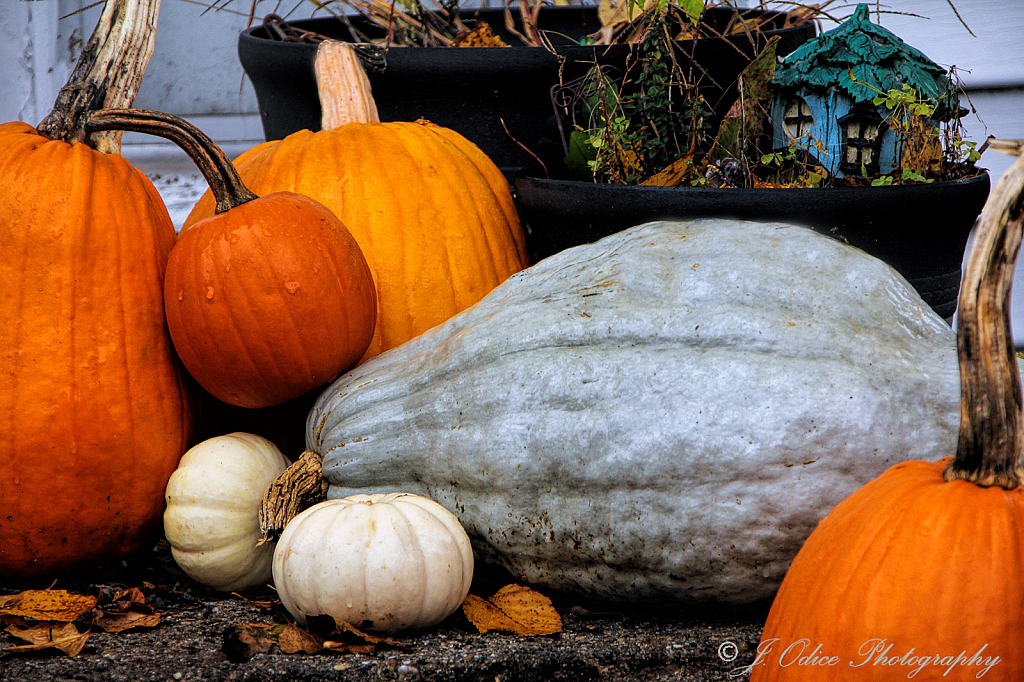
963, 628
251, 299
470, 198
234, 292
190, 345
468, 202
486, 178
107, 172
70, 408
494, 178
413, 249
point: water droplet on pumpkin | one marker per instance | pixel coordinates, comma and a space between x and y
209, 293
227, 268
292, 287
17, 479
181, 294
234, 239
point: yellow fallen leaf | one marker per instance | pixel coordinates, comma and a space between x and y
58, 605
514, 608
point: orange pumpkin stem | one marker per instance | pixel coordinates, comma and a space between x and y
108, 73
991, 428
220, 174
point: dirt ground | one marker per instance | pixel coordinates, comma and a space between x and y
197, 638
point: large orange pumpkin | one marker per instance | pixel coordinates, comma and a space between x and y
920, 573
94, 414
432, 214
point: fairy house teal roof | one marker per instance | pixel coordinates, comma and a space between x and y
876, 57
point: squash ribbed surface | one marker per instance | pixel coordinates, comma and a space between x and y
664, 414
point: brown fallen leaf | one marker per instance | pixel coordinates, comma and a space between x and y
672, 175
56, 605
338, 633
119, 622
62, 636
514, 608
292, 640
127, 609
245, 640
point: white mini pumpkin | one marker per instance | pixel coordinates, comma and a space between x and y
382, 563
212, 516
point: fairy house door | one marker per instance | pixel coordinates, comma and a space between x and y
824, 93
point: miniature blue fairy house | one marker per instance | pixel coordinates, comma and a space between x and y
831, 114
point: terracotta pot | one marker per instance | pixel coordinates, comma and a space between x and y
500, 98
921, 230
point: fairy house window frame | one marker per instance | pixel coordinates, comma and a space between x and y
861, 133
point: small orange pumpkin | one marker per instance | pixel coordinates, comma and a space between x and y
920, 573
433, 215
268, 299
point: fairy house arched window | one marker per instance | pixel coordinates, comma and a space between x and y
797, 118
824, 91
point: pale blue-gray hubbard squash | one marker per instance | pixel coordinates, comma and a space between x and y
664, 414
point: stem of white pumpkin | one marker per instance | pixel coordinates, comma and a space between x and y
108, 73
299, 487
224, 180
343, 87
991, 422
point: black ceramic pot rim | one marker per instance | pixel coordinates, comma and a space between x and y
578, 186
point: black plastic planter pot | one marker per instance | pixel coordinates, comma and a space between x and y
499, 98
920, 230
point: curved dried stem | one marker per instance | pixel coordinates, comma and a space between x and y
991, 428
224, 180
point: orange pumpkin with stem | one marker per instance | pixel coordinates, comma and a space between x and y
433, 215
94, 410
268, 299
920, 573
